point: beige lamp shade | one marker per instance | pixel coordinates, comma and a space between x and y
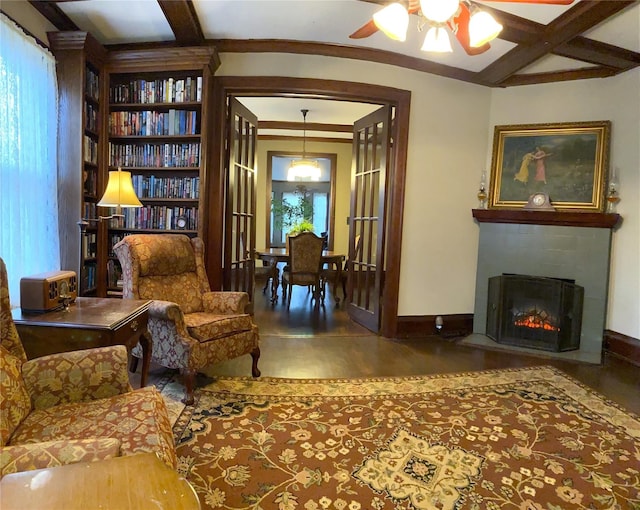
119, 192
482, 28
393, 20
437, 40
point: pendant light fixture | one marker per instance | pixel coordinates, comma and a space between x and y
304, 169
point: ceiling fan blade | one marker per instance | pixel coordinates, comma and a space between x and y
366, 30
459, 25
551, 2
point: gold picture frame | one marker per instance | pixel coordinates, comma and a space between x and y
568, 161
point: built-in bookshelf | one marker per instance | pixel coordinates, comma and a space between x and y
80, 61
157, 125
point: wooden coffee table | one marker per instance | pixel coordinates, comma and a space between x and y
89, 322
131, 482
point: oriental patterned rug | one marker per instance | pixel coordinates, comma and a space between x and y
527, 439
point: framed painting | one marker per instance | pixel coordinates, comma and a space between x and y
567, 161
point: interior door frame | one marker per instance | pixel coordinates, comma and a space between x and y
275, 86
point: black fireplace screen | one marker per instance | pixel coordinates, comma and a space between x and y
535, 312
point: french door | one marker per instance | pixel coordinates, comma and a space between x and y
371, 147
240, 217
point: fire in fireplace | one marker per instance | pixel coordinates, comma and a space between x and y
535, 312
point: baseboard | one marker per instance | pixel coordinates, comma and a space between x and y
622, 346
453, 325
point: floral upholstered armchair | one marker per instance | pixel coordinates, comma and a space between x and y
74, 406
190, 326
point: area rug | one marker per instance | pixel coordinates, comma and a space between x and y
527, 439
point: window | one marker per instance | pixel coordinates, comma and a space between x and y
29, 241
292, 202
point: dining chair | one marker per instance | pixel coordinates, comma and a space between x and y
305, 265
329, 274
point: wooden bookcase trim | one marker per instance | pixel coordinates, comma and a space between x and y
157, 59
557, 218
78, 40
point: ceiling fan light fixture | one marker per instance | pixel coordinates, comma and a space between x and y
437, 41
393, 20
482, 28
439, 11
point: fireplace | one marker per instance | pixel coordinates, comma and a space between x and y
535, 312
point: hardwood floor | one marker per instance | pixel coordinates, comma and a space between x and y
301, 344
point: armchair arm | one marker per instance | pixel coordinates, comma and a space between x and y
225, 302
169, 311
77, 376
25, 457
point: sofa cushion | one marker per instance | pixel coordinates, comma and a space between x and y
14, 459
205, 326
15, 403
138, 419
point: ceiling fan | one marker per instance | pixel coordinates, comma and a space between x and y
472, 27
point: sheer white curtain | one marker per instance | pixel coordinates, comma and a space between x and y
29, 242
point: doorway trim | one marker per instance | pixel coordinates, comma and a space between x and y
214, 185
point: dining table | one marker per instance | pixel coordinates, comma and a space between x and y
331, 258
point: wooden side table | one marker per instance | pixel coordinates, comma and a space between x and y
131, 482
89, 322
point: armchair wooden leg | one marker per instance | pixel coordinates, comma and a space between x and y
189, 377
133, 364
255, 356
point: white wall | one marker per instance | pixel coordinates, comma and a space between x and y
27, 16
616, 99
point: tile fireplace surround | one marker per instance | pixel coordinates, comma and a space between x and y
569, 245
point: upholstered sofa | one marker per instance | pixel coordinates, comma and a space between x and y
73, 407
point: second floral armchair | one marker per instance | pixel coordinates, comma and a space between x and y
190, 326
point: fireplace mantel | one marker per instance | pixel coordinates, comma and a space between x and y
558, 218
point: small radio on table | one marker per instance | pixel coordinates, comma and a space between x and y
48, 291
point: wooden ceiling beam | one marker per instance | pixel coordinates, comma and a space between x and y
582, 16
295, 139
310, 126
553, 77
598, 53
183, 20
54, 14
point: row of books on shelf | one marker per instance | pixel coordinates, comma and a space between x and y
90, 183
170, 90
114, 274
153, 123
91, 113
89, 244
89, 210
157, 217
166, 187
152, 155
90, 150
88, 280
92, 84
